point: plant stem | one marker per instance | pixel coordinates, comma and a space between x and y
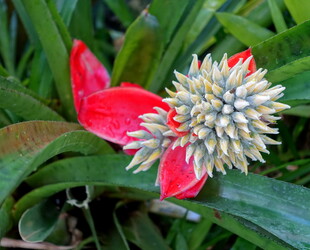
91, 224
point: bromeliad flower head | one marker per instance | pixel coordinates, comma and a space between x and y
220, 113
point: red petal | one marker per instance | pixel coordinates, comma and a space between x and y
110, 113
88, 75
130, 151
192, 192
175, 175
232, 61
173, 125
129, 84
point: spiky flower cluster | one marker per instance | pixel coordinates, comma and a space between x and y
152, 144
223, 114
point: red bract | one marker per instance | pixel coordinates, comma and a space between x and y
87, 74
112, 112
232, 61
107, 112
176, 177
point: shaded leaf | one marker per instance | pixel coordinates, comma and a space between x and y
139, 57
140, 230
38, 222
121, 10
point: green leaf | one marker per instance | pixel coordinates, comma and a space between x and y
140, 230
299, 10
121, 10
174, 47
242, 244
203, 18
66, 9
5, 215
295, 89
255, 11
266, 206
120, 233
199, 233
247, 32
23, 15
55, 49
24, 146
168, 19
38, 222
41, 78
6, 49
22, 102
82, 30
141, 51
303, 111
285, 54
277, 16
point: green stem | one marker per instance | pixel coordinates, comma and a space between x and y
91, 224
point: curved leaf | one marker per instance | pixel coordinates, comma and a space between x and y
24, 146
247, 32
38, 222
53, 43
23, 102
5, 216
278, 207
285, 54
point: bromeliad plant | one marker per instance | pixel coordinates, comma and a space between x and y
218, 115
218, 118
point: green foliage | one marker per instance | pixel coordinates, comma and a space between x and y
42, 155
39, 221
143, 47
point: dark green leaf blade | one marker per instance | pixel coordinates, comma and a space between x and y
38, 222
168, 19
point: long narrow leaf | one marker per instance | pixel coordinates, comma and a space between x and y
55, 50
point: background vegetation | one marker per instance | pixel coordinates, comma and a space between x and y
46, 158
